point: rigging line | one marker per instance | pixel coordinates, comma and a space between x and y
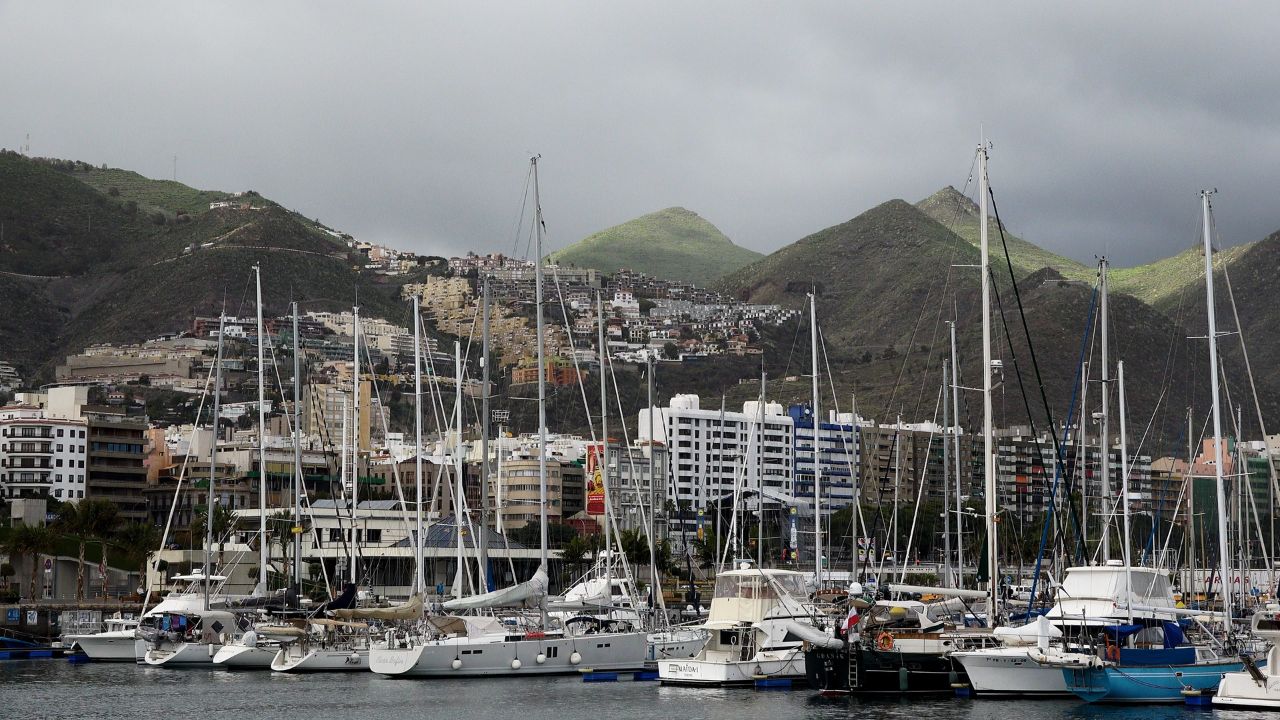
856, 514
924, 471
1035, 436
1031, 349
524, 204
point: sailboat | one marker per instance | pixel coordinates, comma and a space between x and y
179, 632
476, 645
250, 650
1127, 674
900, 646
338, 637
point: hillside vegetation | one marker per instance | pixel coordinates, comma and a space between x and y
675, 244
92, 255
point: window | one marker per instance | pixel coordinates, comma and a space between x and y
373, 535
79, 493
335, 535
57, 493
59, 435
59, 447
58, 462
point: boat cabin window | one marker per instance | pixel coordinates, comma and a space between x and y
755, 587
1271, 625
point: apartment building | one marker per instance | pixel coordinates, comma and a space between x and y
41, 456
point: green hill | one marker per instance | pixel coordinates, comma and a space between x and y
869, 273
959, 214
83, 263
675, 244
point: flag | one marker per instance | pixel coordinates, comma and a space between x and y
851, 621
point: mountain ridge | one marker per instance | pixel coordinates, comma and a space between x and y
672, 243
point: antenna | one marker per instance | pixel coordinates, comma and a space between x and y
26, 148
175, 168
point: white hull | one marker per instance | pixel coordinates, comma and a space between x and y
476, 658
787, 664
182, 654
245, 656
1238, 689
1015, 671
676, 645
109, 646
316, 660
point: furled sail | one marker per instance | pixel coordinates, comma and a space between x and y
514, 596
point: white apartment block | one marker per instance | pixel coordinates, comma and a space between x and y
712, 452
41, 455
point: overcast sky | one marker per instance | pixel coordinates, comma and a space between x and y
410, 123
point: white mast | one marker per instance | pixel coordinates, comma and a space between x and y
955, 413
1224, 551
1105, 440
603, 459
946, 475
542, 370
355, 437
817, 437
296, 530
988, 454
457, 467
419, 577
1124, 493
211, 497
263, 555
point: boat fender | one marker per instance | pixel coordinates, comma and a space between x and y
904, 676
884, 641
541, 658
515, 664
456, 664
575, 658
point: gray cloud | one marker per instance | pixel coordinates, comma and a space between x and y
409, 123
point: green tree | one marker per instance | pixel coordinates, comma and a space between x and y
670, 351
87, 521
575, 552
30, 541
141, 538
224, 521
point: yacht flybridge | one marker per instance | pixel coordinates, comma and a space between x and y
757, 626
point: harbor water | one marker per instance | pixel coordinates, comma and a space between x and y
40, 689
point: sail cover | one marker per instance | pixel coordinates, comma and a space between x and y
411, 610
514, 596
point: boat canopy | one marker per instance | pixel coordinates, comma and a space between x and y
411, 610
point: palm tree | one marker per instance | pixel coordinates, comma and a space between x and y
224, 522
574, 551
30, 541
85, 521
141, 538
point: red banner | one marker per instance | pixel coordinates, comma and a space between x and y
595, 481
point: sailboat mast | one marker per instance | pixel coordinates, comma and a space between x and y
296, 530
542, 370
211, 497
483, 540
817, 439
419, 576
457, 467
946, 475
1224, 552
653, 498
263, 555
760, 476
955, 441
1124, 493
355, 436
602, 461
1105, 440
988, 451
